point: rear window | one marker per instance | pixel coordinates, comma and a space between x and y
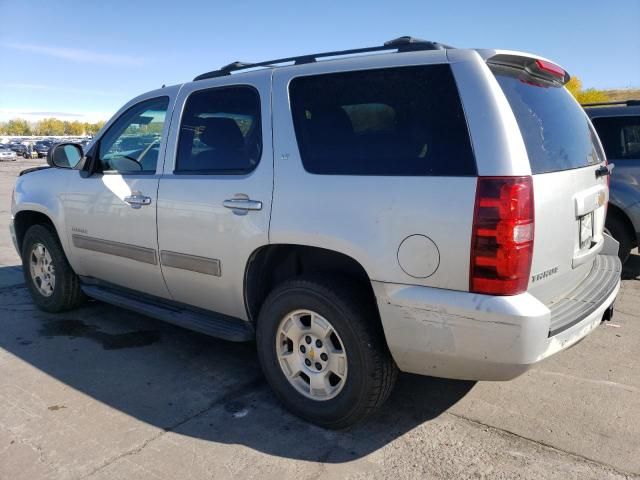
554, 127
620, 136
396, 121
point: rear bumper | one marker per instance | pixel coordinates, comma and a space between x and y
444, 333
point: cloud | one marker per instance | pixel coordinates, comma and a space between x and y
77, 55
32, 116
77, 91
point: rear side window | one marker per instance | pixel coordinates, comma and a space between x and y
555, 129
620, 136
396, 121
220, 132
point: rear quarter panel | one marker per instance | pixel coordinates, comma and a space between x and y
367, 217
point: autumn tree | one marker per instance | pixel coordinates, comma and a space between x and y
590, 95
74, 128
50, 126
18, 127
93, 128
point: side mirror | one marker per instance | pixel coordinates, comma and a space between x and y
64, 155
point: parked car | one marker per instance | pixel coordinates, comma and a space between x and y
434, 210
618, 126
42, 148
18, 148
6, 154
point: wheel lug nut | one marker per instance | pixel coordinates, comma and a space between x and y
324, 357
318, 366
307, 362
303, 349
318, 343
307, 339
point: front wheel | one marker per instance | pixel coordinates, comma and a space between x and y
322, 351
53, 284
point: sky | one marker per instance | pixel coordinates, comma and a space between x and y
84, 59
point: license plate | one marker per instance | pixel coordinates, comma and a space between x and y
586, 230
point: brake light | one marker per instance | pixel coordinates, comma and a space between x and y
550, 68
502, 236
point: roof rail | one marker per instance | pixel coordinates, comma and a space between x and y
628, 103
400, 44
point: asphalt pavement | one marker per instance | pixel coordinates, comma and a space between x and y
104, 393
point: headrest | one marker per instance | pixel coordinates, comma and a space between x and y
221, 132
330, 125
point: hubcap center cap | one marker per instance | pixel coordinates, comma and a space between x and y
313, 353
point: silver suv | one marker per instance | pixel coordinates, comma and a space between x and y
408, 207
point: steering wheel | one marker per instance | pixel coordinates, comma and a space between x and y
146, 150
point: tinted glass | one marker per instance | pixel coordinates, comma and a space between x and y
396, 121
554, 127
620, 136
220, 132
132, 143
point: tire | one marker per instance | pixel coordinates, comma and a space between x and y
64, 292
370, 371
618, 230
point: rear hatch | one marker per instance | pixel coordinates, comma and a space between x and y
570, 178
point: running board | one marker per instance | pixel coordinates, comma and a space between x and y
209, 323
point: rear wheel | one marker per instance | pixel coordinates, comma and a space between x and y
616, 227
322, 351
53, 284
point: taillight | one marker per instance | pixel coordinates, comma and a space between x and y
550, 68
502, 236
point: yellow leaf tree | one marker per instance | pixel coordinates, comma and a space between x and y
590, 95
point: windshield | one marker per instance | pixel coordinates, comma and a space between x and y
555, 129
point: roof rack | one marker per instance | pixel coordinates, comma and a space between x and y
628, 103
400, 44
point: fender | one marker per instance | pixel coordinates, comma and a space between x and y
622, 192
41, 191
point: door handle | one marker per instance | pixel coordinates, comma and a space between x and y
137, 200
242, 204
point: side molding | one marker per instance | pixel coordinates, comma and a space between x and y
208, 266
134, 252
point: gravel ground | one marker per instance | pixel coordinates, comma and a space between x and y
105, 393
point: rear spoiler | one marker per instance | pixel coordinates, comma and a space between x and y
536, 67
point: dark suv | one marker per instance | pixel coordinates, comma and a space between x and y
42, 148
18, 148
618, 126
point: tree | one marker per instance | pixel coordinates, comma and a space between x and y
17, 127
50, 126
590, 95
92, 128
74, 128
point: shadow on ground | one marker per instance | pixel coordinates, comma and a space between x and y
631, 269
194, 385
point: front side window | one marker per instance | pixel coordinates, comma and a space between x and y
132, 143
220, 133
620, 136
405, 121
